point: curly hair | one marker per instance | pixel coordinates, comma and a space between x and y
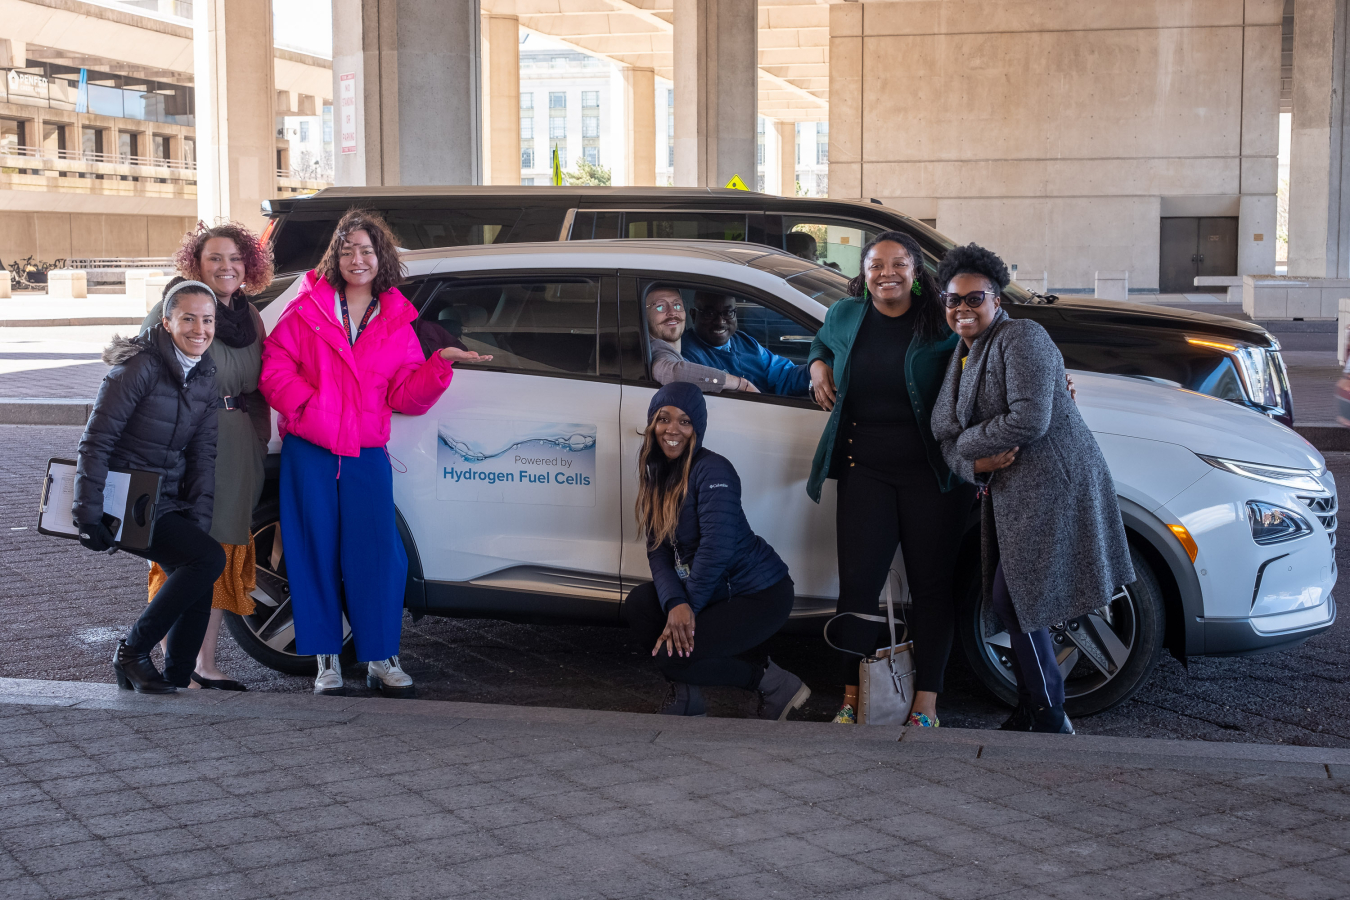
257, 255
389, 273
931, 321
972, 259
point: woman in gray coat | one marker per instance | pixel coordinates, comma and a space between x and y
1054, 545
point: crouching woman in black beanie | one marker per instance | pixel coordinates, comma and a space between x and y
707, 567
156, 412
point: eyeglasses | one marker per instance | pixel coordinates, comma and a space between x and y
661, 307
726, 314
973, 300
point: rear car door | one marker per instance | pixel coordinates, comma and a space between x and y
769, 439
512, 483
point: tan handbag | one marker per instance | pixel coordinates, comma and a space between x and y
886, 678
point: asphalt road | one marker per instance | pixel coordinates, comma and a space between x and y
64, 607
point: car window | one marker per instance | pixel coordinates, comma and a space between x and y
546, 326
684, 226
304, 235
836, 243
727, 331
825, 286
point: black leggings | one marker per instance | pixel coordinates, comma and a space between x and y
872, 517
729, 636
1039, 682
181, 610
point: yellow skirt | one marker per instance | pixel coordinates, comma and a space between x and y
234, 587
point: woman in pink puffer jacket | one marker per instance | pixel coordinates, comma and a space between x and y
343, 358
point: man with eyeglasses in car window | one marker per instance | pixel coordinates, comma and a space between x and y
716, 341
665, 328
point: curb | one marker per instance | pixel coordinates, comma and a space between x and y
52, 323
967, 744
1327, 437
44, 411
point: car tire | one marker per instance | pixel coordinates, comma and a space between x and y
268, 635
1114, 649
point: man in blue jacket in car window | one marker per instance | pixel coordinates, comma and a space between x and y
716, 342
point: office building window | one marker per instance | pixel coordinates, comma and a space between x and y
670, 157
670, 126
822, 128
526, 128
591, 155
799, 152
822, 154
528, 182
160, 145
759, 153
190, 151
304, 132
128, 145
12, 134
590, 99
590, 127
557, 127
527, 101
527, 158
557, 100
670, 97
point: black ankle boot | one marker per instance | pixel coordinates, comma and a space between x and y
1020, 720
1050, 720
136, 672
683, 700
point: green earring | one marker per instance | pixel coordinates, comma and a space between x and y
866, 296
917, 289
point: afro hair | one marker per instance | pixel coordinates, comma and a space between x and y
972, 259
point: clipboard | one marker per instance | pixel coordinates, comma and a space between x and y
129, 494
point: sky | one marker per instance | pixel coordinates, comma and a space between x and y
304, 25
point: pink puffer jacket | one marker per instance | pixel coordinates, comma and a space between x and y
341, 396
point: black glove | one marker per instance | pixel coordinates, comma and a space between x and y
99, 536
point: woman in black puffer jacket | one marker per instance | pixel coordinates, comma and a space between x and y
707, 564
156, 412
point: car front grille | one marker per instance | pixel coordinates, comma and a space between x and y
1324, 508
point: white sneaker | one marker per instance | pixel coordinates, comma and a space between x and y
330, 675
388, 677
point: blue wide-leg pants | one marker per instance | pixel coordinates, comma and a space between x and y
340, 538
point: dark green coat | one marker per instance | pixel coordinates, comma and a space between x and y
925, 366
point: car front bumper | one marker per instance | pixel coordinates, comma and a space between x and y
1241, 636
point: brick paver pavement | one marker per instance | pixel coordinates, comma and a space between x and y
245, 796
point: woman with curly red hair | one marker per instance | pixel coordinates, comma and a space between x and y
234, 263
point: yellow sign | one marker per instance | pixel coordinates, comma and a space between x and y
736, 184
557, 168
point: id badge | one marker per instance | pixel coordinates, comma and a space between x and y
681, 569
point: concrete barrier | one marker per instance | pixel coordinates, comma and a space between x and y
1232, 282
5, 285
44, 411
1031, 281
154, 289
1283, 297
67, 284
135, 281
1112, 286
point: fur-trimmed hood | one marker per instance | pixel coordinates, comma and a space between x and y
124, 348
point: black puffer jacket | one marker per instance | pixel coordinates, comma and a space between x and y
146, 418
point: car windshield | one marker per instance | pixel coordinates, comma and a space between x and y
823, 285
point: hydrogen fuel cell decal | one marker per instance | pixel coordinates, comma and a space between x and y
512, 461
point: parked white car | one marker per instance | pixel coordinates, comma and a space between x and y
516, 490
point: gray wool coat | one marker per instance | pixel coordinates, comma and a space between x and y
1051, 517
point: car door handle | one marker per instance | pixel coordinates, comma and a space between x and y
797, 338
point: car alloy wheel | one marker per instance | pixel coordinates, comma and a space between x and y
1104, 656
268, 635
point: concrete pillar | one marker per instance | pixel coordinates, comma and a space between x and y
1319, 211
411, 113
639, 124
783, 180
236, 129
1260, 142
716, 49
501, 92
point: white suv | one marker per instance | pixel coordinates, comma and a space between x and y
516, 490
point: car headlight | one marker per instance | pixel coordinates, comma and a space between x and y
1294, 479
1274, 524
1261, 369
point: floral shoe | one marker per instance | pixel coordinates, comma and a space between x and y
919, 720
846, 716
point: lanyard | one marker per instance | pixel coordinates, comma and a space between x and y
347, 319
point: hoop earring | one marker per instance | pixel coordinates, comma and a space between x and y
917, 289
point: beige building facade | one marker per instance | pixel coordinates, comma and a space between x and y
1062, 134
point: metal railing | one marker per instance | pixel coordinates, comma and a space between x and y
40, 153
116, 262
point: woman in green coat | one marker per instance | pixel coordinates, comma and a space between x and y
877, 366
234, 263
